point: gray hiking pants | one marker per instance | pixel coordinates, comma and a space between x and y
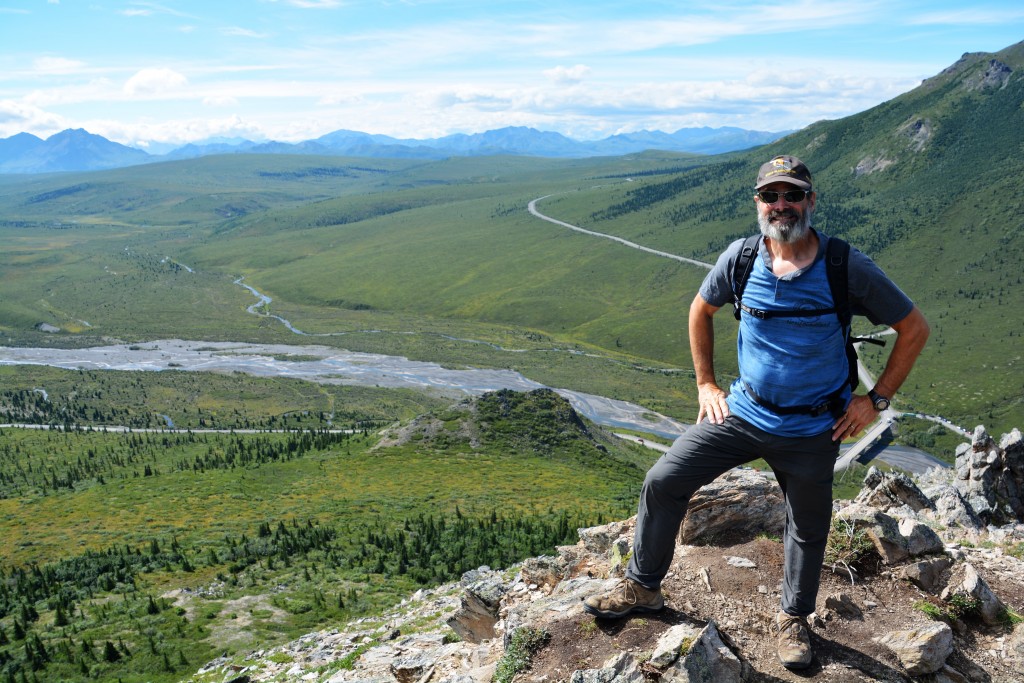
803, 467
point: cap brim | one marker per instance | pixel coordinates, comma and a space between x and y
782, 178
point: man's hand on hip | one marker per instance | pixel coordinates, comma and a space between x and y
712, 403
859, 414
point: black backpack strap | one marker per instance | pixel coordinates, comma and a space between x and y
837, 268
741, 270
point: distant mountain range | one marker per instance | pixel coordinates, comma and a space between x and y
79, 150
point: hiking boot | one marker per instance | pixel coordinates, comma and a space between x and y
627, 597
794, 641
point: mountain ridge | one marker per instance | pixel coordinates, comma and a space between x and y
78, 150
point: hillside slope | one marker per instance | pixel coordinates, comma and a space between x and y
925, 184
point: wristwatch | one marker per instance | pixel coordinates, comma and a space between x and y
881, 402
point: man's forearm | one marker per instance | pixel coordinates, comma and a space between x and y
911, 335
702, 340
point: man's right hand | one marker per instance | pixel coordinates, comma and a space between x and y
712, 403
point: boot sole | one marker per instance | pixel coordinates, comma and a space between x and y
795, 666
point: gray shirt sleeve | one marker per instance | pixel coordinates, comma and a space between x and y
873, 294
717, 286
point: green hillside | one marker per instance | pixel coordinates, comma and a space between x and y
442, 251
142, 556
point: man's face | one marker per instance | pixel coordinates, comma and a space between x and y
782, 220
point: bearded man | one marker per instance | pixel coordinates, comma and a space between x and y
791, 405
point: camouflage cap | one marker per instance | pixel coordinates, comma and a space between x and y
784, 169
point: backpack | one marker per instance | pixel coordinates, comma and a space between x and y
837, 256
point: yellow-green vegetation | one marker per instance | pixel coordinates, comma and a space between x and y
525, 643
189, 400
957, 606
429, 259
848, 545
931, 609
175, 547
162, 544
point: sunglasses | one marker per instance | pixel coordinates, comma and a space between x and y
791, 196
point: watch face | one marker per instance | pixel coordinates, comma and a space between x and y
882, 404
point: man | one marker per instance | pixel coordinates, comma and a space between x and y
791, 405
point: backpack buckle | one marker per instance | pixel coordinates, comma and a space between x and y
821, 409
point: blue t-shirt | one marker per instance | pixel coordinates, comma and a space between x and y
800, 360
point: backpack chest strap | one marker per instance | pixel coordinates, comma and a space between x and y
762, 314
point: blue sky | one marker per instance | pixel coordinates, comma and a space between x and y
170, 72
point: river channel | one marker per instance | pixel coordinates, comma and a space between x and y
329, 366
333, 366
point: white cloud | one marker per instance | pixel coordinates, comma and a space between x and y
316, 4
154, 81
174, 132
340, 97
243, 32
978, 16
17, 117
57, 65
566, 75
219, 101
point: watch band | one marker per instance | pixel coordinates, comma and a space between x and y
880, 402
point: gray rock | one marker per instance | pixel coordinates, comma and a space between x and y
411, 668
881, 529
892, 490
921, 539
927, 574
709, 660
621, 668
953, 510
674, 643
991, 477
593, 676
922, 650
544, 570
740, 501
599, 539
478, 611
967, 580
1013, 650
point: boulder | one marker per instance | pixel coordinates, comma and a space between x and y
967, 581
691, 654
927, 574
889, 490
744, 502
477, 615
990, 477
922, 650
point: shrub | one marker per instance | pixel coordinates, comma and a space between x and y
524, 644
847, 546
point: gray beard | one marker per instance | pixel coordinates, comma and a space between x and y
786, 233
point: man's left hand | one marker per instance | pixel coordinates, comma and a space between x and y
859, 414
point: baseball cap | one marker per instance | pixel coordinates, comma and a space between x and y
784, 169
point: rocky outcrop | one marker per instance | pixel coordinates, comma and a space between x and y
995, 75
939, 604
741, 502
991, 477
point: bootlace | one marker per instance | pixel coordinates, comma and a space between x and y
787, 623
